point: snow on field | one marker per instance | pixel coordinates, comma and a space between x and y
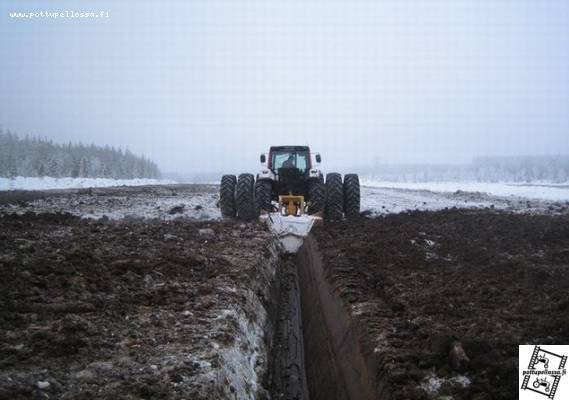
199, 202
166, 202
46, 183
389, 201
543, 191
380, 200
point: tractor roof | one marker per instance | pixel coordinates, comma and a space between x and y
289, 148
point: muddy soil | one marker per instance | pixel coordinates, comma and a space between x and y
99, 309
441, 300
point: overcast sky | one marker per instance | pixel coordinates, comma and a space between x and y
208, 85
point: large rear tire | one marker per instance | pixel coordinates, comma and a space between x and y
227, 196
263, 192
316, 195
334, 197
351, 195
245, 197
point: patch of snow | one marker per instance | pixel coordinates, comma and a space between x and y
384, 200
46, 183
241, 357
432, 384
544, 192
392, 201
365, 308
462, 380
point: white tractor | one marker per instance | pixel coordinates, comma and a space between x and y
290, 191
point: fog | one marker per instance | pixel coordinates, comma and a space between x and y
205, 86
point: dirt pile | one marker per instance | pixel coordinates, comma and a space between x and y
154, 309
441, 300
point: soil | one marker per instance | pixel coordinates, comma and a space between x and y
441, 300
99, 309
128, 297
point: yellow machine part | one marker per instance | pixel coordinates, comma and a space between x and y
291, 205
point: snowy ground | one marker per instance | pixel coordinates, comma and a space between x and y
544, 191
46, 183
393, 197
378, 201
199, 202
166, 202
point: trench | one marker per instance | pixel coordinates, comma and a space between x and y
315, 353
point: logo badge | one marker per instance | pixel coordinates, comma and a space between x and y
542, 372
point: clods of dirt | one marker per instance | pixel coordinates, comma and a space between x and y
131, 309
443, 299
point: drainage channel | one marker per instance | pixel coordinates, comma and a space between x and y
288, 374
315, 352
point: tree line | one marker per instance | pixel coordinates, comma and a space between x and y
522, 169
37, 157
514, 169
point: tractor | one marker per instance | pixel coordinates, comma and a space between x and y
542, 359
291, 184
542, 383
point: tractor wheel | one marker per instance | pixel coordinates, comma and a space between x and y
351, 195
263, 192
245, 197
227, 196
334, 197
316, 195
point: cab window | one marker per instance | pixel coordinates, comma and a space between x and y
281, 160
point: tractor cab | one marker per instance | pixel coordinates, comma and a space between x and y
289, 157
290, 169
282, 159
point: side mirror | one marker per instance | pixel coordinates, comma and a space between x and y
318, 158
263, 158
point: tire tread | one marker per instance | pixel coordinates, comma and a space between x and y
227, 196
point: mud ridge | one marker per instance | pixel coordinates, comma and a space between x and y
439, 301
130, 309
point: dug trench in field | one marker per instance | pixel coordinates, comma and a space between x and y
336, 368
287, 363
315, 352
